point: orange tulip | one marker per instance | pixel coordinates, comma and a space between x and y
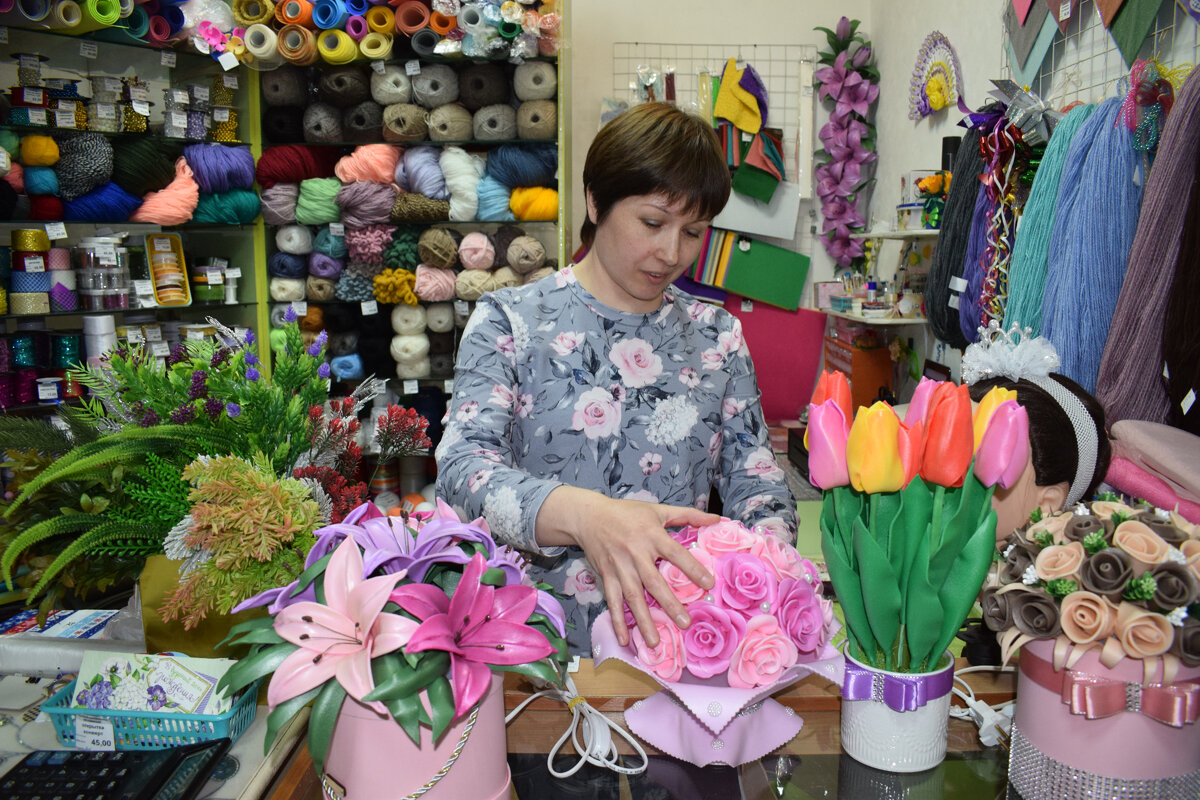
909, 443
987, 407
948, 442
873, 450
832, 385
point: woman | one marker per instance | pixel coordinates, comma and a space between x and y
599, 406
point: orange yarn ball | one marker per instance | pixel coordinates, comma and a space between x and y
534, 203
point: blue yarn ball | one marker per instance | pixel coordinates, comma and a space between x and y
524, 165
41, 180
287, 265
108, 203
493, 200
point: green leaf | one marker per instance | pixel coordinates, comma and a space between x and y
924, 614
965, 577
322, 721
441, 703
493, 577
847, 584
407, 712
283, 712
265, 635
254, 666
542, 670
309, 575
395, 678
880, 589
245, 627
909, 528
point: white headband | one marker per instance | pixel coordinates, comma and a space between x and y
1086, 439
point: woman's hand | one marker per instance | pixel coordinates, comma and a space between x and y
623, 539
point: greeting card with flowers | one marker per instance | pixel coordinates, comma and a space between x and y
763, 625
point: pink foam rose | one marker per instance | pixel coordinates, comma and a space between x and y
724, 537
637, 362
781, 557
668, 659
745, 584
596, 414
680, 583
711, 638
800, 614
630, 622
763, 656
685, 535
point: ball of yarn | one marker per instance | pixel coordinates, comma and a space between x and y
502, 238
497, 121
322, 123
493, 199
438, 248
366, 244
363, 122
103, 204
391, 86
537, 119
365, 203
482, 84
284, 290
39, 151
435, 85
404, 122
287, 265
442, 342
175, 204
278, 315
432, 285
343, 343
413, 207
524, 164
538, 274
503, 277
234, 207
470, 284
281, 125
313, 321
278, 340
439, 317
85, 162
143, 164
423, 172
319, 289
279, 203
368, 162
462, 171
41, 180
476, 251
332, 246
395, 286
219, 168
450, 122
401, 252
294, 239
414, 370
535, 80
323, 266
407, 348
367, 270
408, 319
285, 86
316, 203
343, 86
15, 177
342, 318
347, 367
292, 163
526, 254
41, 206
441, 364
353, 288
534, 203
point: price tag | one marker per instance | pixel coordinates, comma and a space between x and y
167, 58
134, 336
94, 733
35, 264
141, 107
462, 307
219, 263
1185, 405
953, 301
230, 81
215, 277
27, 61
233, 273
227, 60
179, 95
195, 334
37, 116
410, 387
5, 160
448, 386
370, 307
64, 119
161, 244
106, 254
143, 287
412, 67
59, 423
111, 84
139, 92
300, 307
747, 304
221, 115
337, 229
3, 34
379, 67
32, 96
47, 391
1064, 10
160, 349
56, 230
200, 92
106, 111
88, 49
153, 333
177, 119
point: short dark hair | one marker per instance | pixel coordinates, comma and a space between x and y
1051, 434
654, 148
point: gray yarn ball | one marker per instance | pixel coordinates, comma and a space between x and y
344, 86
285, 86
495, 122
391, 86
85, 161
450, 123
435, 85
363, 122
482, 85
537, 119
322, 123
535, 80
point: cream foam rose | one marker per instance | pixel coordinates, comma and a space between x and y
1059, 561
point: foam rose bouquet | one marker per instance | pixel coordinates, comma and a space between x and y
764, 624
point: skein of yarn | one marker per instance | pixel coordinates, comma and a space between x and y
534, 203
317, 202
363, 122
323, 266
285, 86
219, 168
482, 84
504, 277
173, 205
287, 265
423, 173
322, 123
391, 86
278, 316
535, 80
364, 203
283, 125
526, 254
969, 307
279, 203
524, 165
470, 284
537, 119
493, 200
493, 122
284, 290
438, 247
408, 319
462, 171
439, 318
85, 162
404, 122
292, 163
366, 244
332, 246
235, 207
410, 347
318, 289
432, 284
106, 203
143, 164
294, 239
413, 207
476, 251
343, 86
449, 123
368, 162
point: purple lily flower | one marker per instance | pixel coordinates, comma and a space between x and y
832, 78
857, 94
843, 30
549, 607
861, 56
838, 179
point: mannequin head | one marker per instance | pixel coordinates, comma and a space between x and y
1053, 452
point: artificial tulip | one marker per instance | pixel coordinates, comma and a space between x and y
909, 442
987, 406
827, 447
948, 442
1004, 450
832, 385
920, 400
873, 450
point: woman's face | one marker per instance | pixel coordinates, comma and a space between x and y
644, 244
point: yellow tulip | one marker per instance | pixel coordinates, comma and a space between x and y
987, 406
873, 450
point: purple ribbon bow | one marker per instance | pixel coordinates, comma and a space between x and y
900, 692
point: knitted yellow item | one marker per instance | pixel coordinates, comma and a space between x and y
395, 286
736, 104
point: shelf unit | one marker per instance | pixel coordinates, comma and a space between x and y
902, 235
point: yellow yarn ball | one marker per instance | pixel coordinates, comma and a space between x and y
39, 151
534, 203
395, 286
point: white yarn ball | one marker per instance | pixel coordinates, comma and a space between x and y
439, 317
284, 290
296, 239
391, 86
406, 349
413, 370
408, 320
535, 80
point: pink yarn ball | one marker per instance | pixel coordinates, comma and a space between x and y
366, 244
476, 251
434, 285
368, 162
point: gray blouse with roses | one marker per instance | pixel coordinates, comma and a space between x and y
553, 387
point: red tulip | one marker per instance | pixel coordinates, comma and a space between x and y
909, 441
832, 385
948, 442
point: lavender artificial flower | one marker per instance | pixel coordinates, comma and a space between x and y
323, 370
233, 409
290, 314
252, 374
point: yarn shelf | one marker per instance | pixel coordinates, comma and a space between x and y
25, 130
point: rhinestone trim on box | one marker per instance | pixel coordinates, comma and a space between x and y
1037, 776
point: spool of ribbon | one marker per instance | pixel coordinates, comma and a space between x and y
508, 30
25, 388
70, 386
64, 350
336, 47
24, 282
5, 355
8, 396
411, 16
29, 239
24, 261
26, 304
376, 46
898, 692
251, 12
296, 12
58, 258
263, 44
22, 351
329, 14
62, 291
381, 19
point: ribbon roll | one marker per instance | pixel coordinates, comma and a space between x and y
336, 47
251, 12
356, 26
898, 692
296, 12
66, 16
263, 44
470, 19
376, 46
58, 258
411, 16
29, 239
26, 282
25, 261
330, 14
380, 19
31, 303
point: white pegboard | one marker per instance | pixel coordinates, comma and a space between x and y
1084, 64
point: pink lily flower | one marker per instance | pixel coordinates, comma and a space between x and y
1004, 449
479, 625
339, 639
844, 250
856, 95
828, 429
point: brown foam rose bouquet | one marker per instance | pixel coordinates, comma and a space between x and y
1122, 579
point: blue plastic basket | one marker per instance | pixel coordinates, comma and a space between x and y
154, 730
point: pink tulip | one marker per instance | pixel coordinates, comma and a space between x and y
828, 429
1004, 450
920, 401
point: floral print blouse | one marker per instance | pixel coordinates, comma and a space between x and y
553, 387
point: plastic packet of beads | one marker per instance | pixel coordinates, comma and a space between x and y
135, 116
225, 124
106, 89
175, 124
28, 116
70, 114
136, 89
175, 99
197, 125
223, 88
199, 96
29, 68
104, 117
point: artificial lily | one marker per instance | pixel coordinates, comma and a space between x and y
339, 639
1004, 450
948, 443
987, 406
873, 450
829, 427
477, 626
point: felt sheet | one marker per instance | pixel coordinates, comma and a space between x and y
1022, 8
1127, 477
1132, 25
1063, 12
1169, 453
1109, 10
1024, 75
1021, 38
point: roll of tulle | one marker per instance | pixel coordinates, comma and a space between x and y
297, 45
284, 290
408, 348
348, 367
332, 246
376, 46
319, 289
173, 205
414, 370
408, 319
342, 343
279, 315
422, 173
336, 47
296, 239
534, 203
392, 85
279, 203
234, 207
433, 284
476, 251
470, 284
439, 317
366, 244
365, 203
323, 266
262, 42
287, 265
316, 203
535, 80
462, 172
525, 254
493, 199
292, 163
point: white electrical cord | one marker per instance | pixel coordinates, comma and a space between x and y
994, 721
590, 732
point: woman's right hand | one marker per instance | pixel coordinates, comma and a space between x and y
623, 540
